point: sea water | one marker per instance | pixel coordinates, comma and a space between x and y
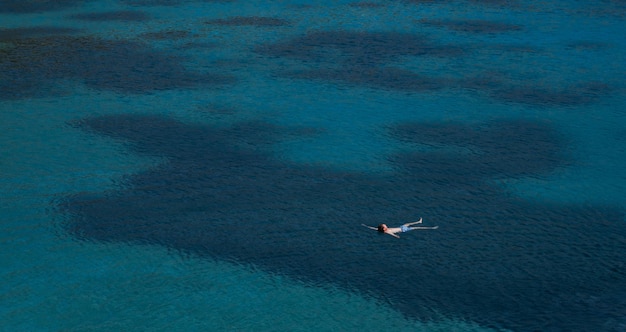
206, 165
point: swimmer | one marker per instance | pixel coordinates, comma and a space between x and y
394, 230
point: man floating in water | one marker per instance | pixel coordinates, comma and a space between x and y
404, 228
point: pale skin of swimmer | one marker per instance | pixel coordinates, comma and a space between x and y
393, 231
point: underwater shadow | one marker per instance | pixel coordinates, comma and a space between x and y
34, 6
496, 260
121, 15
374, 60
120, 66
255, 21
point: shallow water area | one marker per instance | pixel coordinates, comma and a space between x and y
185, 165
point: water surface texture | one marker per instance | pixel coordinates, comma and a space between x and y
207, 165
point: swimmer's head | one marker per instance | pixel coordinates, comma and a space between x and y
382, 228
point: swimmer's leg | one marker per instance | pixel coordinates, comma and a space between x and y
423, 227
414, 223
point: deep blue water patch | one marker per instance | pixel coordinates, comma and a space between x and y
121, 66
365, 4
472, 26
497, 260
153, 2
171, 35
491, 3
587, 45
256, 21
14, 35
533, 93
498, 150
122, 15
358, 48
14, 83
33, 6
384, 78
573, 95
165, 2
369, 59
360, 58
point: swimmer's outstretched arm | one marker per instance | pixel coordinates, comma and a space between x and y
370, 227
393, 234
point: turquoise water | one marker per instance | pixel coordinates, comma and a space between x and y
206, 165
